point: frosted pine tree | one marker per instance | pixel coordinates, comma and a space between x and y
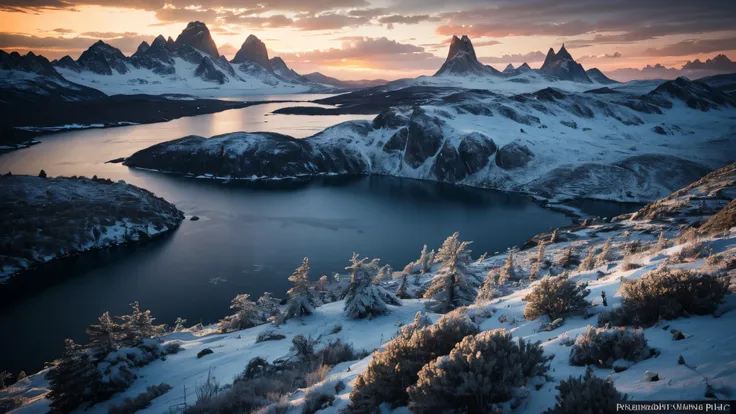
589, 262
269, 306
105, 336
605, 255
73, 380
385, 273
537, 266
402, 292
301, 301
487, 290
452, 287
247, 316
179, 324
138, 325
425, 260
508, 271
365, 298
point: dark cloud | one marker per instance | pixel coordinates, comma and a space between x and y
329, 21
311, 6
693, 47
612, 21
397, 18
370, 13
63, 30
108, 35
516, 57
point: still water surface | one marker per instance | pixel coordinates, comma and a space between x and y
252, 235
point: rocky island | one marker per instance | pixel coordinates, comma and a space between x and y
43, 219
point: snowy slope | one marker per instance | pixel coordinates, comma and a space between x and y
706, 348
551, 143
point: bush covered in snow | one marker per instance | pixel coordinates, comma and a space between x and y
588, 394
141, 401
479, 372
397, 366
269, 335
321, 396
366, 299
602, 347
337, 351
554, 297
666, 293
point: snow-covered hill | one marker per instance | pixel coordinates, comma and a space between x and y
600, 144
688, 357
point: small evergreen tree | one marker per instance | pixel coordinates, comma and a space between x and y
138, 325
452, 288
589, 262
425, 260
566, 258
385, 273
536, 267
105, 336
73, 381
554, 238
179, 324
365, 298
402, 292
605, 255
247, 316
269, 306
508, 270
301, 301
661, 243
487, 290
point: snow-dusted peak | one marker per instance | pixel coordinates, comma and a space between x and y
197, 35
509, 68
253, 50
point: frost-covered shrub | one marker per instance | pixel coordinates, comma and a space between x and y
402, 292
366, 299
247, 315
141, 401
489, 289
689, 253
567, 258
320, 396
8, 404
554, 297
269, 335
303, 347
508, 270
269, 306
667, 294
337, 351
537, 266
481, 371
395, 368
420, 321
605, 255
586, 395
602, 347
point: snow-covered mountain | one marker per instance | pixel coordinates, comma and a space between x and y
190, 64
602, 144
461, 60
562, 66
32, 78
344, 84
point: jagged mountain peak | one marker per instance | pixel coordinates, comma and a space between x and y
460, 45
509, 68
197, 35
524, 67
253, 50
562, 65
142, 48
461, 60
159, 42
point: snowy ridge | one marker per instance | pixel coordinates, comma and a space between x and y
551, 143
693, 358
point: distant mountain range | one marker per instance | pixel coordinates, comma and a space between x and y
462, 61
719, 64
190, 64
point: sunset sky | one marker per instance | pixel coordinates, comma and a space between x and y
390, 39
